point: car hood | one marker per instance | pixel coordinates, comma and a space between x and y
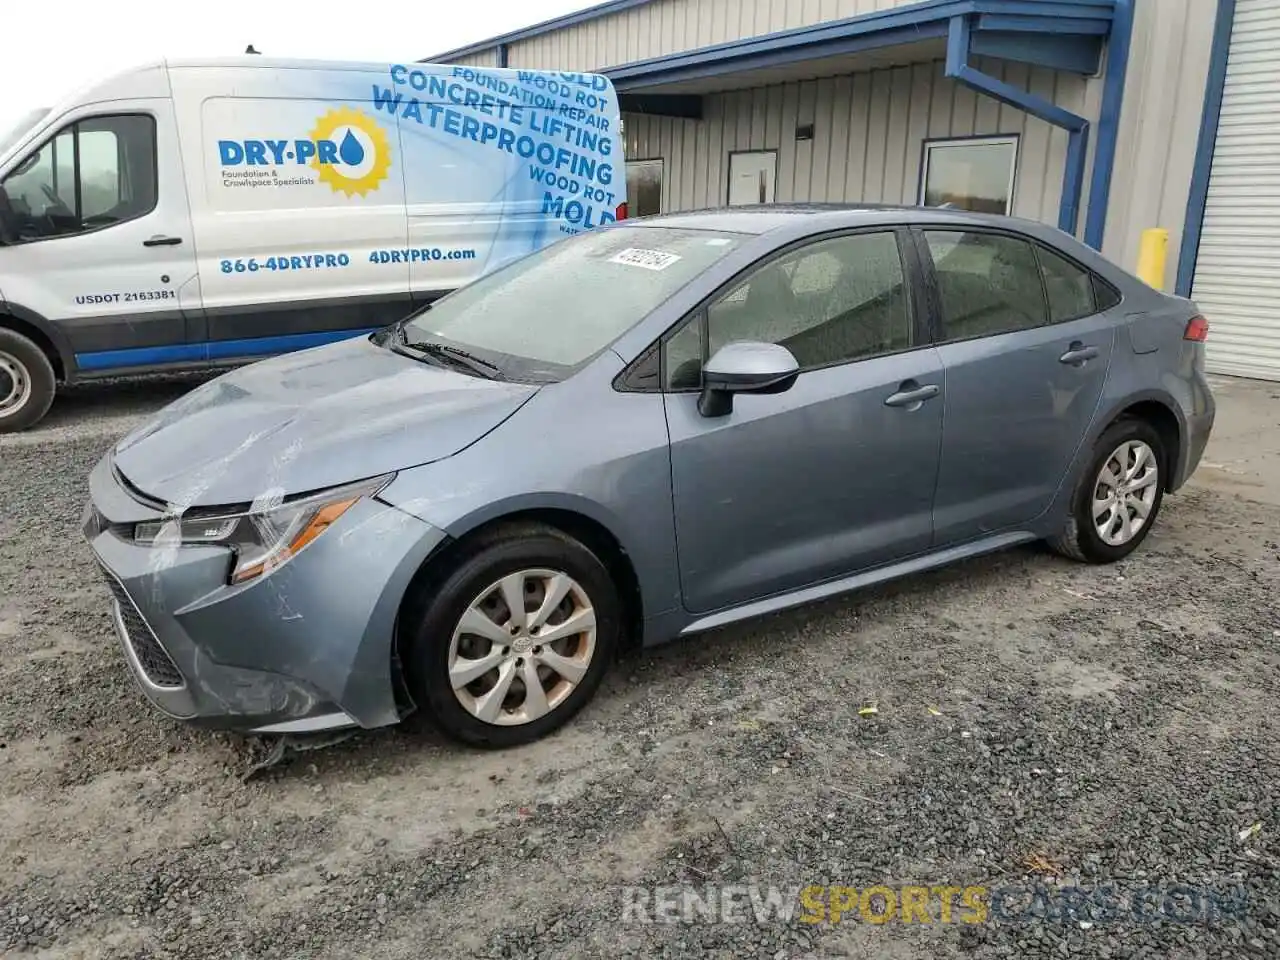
309, 420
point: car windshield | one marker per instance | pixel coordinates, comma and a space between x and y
14, 134
544, 315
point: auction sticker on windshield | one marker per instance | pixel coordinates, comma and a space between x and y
648, 259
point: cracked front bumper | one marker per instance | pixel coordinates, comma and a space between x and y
306, 647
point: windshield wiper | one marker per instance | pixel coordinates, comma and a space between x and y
454, 355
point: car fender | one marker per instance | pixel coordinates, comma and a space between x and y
1109, 409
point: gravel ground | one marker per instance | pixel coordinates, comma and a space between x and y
1038, 721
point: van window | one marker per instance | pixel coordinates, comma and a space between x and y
92, 174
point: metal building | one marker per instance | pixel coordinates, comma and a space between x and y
1105, 117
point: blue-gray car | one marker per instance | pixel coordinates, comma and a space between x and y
638, 433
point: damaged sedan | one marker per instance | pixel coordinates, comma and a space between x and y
640, 432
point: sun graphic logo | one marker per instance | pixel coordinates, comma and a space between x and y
363, 155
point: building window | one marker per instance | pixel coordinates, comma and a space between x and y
752, 177
972, 174
644, 187
92, 174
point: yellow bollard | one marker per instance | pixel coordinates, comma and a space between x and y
1152, 255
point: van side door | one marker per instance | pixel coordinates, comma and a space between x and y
100, 239
298, 209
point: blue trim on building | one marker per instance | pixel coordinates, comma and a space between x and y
1077, 127
1025, 24
538, 29
1214, 86
195, 353
1077, 53
1104, 157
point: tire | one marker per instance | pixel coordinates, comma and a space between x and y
532, 555
1081, 539
27, 382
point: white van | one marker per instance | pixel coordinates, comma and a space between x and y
193, 214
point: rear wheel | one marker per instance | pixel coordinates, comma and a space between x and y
516, 639
1119, 495
27, 382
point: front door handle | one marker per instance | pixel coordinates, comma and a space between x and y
1078, 354
910, 395
162, 242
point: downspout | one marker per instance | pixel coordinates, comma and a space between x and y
1104, 158
1077, 127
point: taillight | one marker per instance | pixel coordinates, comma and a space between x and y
1197, 329
622, 211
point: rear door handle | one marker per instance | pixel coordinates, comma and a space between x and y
1078, 354
912, 396
162, 242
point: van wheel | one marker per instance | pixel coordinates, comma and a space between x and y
27, 382
516, 637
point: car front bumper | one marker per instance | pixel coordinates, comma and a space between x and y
306, 647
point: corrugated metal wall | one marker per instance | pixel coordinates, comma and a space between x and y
1160, 126
485, 58
869, 131
671, 26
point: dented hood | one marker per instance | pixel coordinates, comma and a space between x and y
309, 420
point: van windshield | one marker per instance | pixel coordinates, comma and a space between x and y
545, 315
14, 134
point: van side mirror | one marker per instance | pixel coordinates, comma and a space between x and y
745, 367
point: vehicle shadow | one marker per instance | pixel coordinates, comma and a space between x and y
100, 399
376, 753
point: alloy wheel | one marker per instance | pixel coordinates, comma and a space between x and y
522, 647
1125, 492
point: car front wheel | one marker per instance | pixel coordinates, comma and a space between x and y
516, 639
1119, 496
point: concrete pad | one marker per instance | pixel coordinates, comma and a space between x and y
1243, 456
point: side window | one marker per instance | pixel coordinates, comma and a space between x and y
1070, 288
1105, 294
834, 301
988, 284
92, 174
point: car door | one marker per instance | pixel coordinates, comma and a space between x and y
102, 241
1026, 355
832, 476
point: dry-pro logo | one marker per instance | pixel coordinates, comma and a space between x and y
348, 149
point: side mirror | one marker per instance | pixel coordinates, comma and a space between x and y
745, 367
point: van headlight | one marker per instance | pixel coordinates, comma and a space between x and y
263, 537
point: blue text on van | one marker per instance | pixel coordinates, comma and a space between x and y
278, 152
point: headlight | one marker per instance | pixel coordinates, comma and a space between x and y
263, 537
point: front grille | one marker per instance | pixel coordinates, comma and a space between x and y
152, 658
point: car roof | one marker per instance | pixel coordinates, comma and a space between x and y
817, 217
